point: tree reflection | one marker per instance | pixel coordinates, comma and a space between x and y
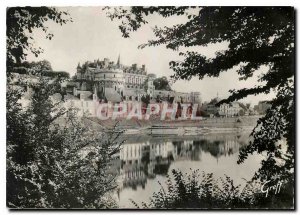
143, 160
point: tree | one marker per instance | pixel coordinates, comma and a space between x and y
146, 99
161, 84
39, 68
53, 161
43, 65
256, 37
145, 84
20, 23
32, 67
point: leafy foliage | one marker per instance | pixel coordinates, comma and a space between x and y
161, 83
202, 190
43, 65
20, 23
135, 17
146, 99
145, 84
53, 161
257, 37
270, 135
39, 68
53, 74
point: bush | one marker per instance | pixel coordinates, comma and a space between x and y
53, 74
201, 190
53, 161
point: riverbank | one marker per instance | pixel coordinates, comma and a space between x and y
175, 127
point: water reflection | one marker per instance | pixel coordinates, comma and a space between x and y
145, 160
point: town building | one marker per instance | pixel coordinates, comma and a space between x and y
212, 108
226, 109
229, 109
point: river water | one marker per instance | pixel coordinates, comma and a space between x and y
146, 160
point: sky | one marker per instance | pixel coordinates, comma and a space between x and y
92, 36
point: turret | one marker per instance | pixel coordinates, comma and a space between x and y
78, 68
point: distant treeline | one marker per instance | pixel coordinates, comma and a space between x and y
24, 70
44, 67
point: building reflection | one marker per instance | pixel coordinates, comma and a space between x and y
143, 160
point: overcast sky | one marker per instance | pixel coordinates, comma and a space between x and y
92, 35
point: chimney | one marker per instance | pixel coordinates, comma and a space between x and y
134, 66
106, 62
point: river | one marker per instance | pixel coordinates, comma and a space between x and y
146, 160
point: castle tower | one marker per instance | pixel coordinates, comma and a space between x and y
78, 67
78, 71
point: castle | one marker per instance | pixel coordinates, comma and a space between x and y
114, 82
111, 81
104, 81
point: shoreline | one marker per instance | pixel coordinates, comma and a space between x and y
179, 128
185, 131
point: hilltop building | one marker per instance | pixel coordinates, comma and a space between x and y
115, 82
108, 82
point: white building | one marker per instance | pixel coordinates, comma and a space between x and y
229, 110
